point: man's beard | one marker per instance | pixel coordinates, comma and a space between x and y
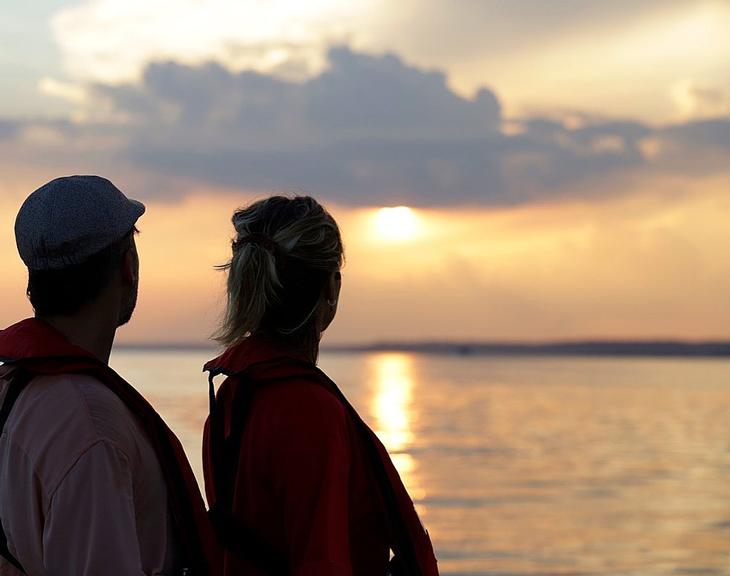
125, 314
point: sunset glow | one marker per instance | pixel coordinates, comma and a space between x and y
397, 224
501, 228
496, 185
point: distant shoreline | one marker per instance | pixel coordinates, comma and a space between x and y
648, 348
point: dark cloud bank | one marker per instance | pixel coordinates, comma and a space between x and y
373, 130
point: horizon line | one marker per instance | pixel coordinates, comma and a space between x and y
581, 347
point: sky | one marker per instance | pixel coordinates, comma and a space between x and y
562, 168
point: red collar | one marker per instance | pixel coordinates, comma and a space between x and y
34, 339
249, 352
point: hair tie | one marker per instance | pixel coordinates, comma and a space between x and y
260, 239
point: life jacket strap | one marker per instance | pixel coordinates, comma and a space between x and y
225, 451
19, 379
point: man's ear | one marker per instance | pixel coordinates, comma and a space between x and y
129, 267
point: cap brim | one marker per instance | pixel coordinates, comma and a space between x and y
135, 211
139, 208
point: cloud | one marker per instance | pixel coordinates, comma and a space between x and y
367, 130
541, 54
113, 40
700, 101
694, 148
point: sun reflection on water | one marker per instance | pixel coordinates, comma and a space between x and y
392, 407
392, 400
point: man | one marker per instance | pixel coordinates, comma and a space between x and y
91, 479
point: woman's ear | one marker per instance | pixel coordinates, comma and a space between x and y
332, 288
331, 293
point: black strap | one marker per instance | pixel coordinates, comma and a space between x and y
225, 451
18, 381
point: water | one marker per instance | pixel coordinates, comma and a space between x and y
529, 465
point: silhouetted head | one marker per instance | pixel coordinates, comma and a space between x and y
284, 274
65, 291
76, 236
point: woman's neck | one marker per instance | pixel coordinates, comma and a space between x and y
307, 348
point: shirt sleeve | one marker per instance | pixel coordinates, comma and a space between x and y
313, 472
90, 526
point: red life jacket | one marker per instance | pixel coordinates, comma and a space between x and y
256, 360
38, 349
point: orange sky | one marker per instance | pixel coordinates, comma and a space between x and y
567, 164
641, 265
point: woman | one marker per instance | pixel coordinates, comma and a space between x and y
297, 483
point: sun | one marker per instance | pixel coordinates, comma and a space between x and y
396, 224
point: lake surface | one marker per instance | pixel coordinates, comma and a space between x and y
528, 465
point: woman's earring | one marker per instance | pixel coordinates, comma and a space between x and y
332, 303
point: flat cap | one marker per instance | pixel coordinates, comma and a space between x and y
70, 219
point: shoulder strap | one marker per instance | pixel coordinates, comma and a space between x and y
405, 562
225, 451
18, 381
185, 504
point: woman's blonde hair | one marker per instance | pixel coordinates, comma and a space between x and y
284, 251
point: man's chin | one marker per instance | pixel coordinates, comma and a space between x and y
127, 311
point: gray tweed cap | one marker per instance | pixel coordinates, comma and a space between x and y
69, 219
